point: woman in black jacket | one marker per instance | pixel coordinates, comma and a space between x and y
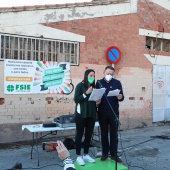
85, 115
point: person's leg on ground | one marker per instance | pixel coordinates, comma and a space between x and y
103, 121
80, 125
114, 136
90, 123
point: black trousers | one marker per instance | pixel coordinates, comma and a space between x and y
107, 121
87, 125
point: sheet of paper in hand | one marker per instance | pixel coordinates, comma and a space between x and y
97, 94
113, 92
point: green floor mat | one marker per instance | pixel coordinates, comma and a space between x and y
100, 165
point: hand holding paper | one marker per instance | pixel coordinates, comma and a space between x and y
89, 90
119, 96
98, 102
113, 92
97, 94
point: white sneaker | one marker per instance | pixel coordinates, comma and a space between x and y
87, 158
80, 161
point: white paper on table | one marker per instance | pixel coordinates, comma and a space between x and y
113, 92
97, 94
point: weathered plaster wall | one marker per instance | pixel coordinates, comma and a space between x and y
30, 22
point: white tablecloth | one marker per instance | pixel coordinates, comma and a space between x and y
40, 128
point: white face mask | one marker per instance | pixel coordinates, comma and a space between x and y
108, 77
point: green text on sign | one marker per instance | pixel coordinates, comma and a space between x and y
53, 71
53, 83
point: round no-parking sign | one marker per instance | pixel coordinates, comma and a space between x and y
113, 55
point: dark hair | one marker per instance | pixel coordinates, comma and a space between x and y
109, 67
85, 80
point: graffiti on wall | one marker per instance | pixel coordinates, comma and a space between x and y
64, 100
159, 84
58, 100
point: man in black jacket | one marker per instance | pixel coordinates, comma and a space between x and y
105, 114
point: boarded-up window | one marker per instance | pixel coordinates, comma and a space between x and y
166, 46
157, 44
39, 49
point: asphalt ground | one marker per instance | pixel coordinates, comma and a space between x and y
140, 149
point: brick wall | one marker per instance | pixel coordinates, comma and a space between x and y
121, 31
152, 16
134, 70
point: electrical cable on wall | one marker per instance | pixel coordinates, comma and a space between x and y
156, 45
154, 13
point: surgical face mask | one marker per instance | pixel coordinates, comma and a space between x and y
91, 80
108, 77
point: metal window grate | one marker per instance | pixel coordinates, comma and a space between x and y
158, 44
39, 49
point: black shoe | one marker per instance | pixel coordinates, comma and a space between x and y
118, 159
104, 157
